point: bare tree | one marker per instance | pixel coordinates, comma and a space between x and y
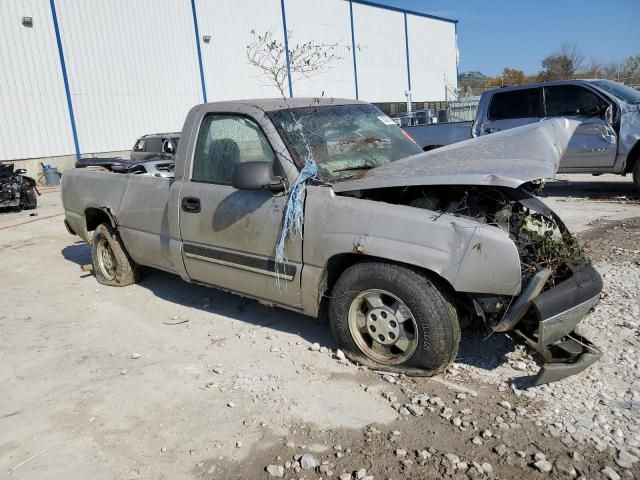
564, 64
269, 55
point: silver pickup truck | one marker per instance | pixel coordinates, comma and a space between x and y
398, 245
607, 140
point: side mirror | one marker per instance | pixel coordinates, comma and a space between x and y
256, 176
20, 171
608, 115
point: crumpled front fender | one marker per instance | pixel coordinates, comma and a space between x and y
470, 256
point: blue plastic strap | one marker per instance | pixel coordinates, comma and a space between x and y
294, 209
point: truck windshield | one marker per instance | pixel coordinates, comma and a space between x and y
624, 93
343, 140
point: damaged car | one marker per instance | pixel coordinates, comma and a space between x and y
395, 245
17, 191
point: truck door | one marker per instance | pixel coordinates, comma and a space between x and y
512, 108
228, 235
594, 143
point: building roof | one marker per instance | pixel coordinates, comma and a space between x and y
404, 10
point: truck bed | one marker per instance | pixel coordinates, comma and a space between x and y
139, 204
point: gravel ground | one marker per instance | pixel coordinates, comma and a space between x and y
170, 380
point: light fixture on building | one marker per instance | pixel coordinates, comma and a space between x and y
27, 22
206, 38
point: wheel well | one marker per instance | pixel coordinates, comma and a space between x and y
96, 216
337, 264
632, 158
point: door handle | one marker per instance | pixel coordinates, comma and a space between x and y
191, 204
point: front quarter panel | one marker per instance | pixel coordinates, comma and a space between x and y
470, 256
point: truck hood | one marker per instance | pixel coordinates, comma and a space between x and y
508, 158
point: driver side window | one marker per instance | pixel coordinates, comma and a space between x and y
572, 100
223, 142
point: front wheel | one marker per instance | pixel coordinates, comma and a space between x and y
636, 174
112, 264
393, 318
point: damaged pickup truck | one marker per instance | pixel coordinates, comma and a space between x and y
398, 247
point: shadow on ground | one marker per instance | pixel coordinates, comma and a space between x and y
175, 290
477, 347
482, 349
79, 253
593, 189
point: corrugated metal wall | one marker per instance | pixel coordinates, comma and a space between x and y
380, 54
432, 54
325, 23
229, 23
133, 66
34, 118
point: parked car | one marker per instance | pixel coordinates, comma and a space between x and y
607, 140
16, 189
157, 146
398, 244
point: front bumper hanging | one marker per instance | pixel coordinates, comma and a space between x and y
558, 312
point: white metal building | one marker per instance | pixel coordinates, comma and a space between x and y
86, 76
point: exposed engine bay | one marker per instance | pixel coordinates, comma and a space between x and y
542, 239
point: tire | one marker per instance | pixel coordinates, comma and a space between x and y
112, 265
433, 319
28, 199
636, 174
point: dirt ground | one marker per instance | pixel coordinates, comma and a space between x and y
170, 380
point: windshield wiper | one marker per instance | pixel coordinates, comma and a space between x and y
357, 167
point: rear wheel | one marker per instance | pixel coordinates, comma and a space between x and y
393, 318
112, 264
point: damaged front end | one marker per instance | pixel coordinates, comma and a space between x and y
490, 180
558, 285
559, 288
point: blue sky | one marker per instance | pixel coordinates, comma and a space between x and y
493, 34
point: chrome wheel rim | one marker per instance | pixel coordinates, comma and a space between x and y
383, 327
106, 259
